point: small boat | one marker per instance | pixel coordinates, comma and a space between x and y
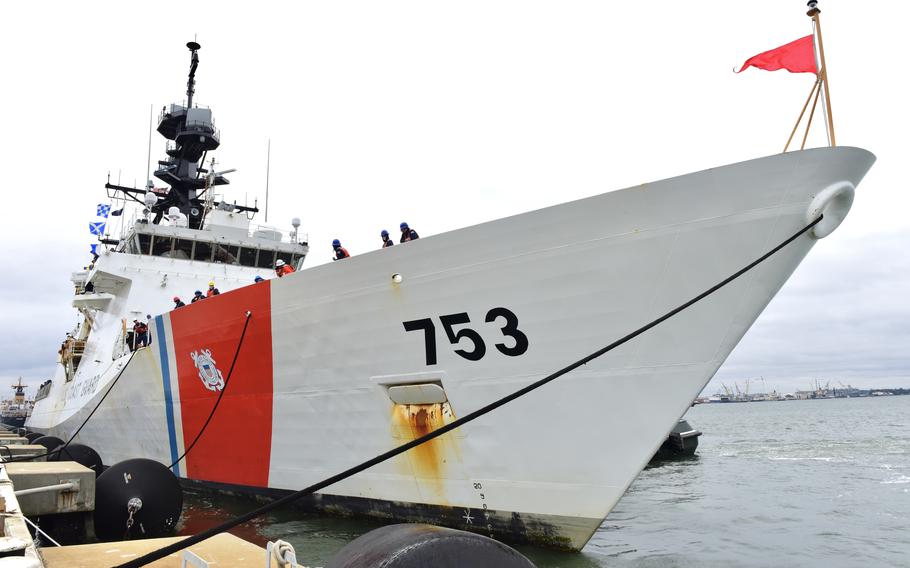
682, 441
14, 412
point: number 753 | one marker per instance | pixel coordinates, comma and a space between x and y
510, 329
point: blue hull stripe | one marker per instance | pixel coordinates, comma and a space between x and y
168, 396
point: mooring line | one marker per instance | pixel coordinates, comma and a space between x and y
246, 322
87, 418
195, 539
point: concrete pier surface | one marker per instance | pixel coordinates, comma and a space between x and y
221, 550
78, 498
15, 539
18, 451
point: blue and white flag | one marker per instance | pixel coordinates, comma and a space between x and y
96, 228
103, 210
95, 249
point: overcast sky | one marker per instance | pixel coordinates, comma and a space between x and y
449, 114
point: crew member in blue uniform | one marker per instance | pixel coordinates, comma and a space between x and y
340, 251
386, 241
408, 234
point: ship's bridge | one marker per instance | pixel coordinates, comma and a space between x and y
226, 238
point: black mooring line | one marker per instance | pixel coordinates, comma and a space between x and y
190, 541
246, 322
84, 422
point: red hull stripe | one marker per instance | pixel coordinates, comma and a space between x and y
236, 445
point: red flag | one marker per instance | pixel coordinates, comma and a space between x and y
796, 57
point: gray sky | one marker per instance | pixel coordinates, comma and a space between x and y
449, 114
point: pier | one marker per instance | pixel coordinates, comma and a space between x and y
56, 489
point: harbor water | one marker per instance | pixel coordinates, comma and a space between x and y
796, 483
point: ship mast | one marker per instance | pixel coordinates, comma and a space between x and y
194, 134
194, 63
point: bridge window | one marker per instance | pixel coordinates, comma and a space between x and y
183, 248
266, 259
248, 256
161, 246
203, 251
226, 254
145, 243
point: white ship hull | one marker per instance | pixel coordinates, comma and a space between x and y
310, 397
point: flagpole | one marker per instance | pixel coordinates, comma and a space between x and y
813, 13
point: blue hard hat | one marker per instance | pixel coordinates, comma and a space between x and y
403, 225
336, 243
258, 278
384, 233
198, 292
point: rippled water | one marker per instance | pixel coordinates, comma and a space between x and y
801, 483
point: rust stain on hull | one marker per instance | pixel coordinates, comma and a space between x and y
428, 462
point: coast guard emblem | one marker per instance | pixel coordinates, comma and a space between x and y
208, 372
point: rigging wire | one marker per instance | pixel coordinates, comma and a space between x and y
190, 541
60, 449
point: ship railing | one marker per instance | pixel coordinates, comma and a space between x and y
169, 109
199, 126
128, 340
293, 237
71, 356
267, 232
